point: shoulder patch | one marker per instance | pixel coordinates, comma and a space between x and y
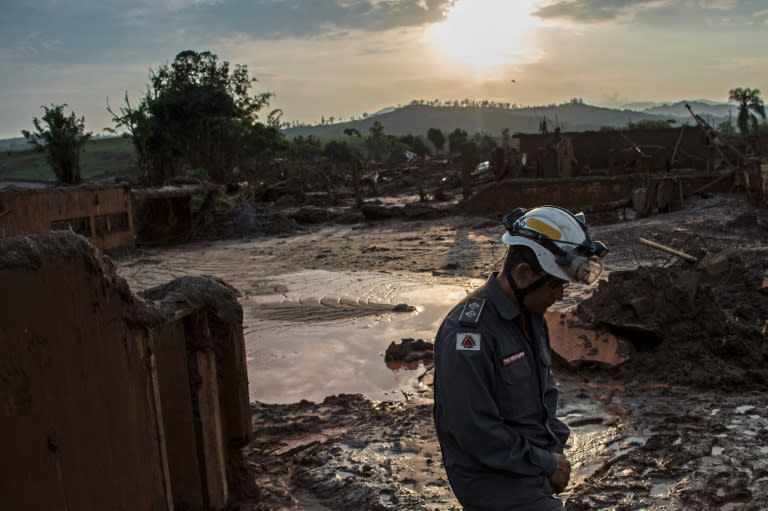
470, 314
468, 341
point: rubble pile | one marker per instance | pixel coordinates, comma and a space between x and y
701, 326
410, 350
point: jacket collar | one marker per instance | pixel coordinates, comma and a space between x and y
507, 308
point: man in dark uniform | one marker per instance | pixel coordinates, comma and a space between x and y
495, 396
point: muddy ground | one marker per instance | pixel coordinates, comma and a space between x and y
683, 424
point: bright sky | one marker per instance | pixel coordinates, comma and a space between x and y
340, 58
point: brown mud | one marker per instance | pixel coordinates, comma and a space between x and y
682, 424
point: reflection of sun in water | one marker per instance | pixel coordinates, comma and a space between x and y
486, 34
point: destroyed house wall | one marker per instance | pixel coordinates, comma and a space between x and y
204, 388
595, 193
80, 424
613, 152
163, 219
565, 192
102, 214
108, 401
164, 214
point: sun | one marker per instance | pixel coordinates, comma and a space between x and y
486, 34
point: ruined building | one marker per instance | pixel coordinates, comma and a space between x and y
109, 400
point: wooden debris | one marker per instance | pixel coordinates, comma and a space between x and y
668, 250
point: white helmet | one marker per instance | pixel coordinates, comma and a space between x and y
560, 241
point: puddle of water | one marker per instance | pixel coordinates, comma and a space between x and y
311, 334
330, 333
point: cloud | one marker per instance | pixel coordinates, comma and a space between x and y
689, 15
90, 29
307, 18
718, 5
592, 10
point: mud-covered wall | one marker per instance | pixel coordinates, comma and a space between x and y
102, 214
163, 219
111, 401
178, 417
577, 192
80, 426
614, 152
574, 192
204, 388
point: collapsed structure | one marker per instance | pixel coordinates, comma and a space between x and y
103, 214
649, 170
110, 400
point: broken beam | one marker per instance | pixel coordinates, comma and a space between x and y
668, 250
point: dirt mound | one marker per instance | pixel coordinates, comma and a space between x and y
701, 327
410, 350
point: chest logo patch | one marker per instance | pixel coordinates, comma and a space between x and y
508, 361
467, 341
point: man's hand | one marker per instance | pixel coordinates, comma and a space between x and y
559, 478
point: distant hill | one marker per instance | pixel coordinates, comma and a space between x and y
103, 156
417, 119
14, 144
640, 105
718, 111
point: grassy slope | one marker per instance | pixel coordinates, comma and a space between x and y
110, 156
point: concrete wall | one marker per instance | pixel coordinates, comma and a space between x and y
102, 214
108, 401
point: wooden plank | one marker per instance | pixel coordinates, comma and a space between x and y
235, 397
159, 426
211, 431
668, 250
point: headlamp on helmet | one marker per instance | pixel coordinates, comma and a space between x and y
560, 241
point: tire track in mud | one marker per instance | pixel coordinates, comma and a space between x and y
317, 296
271, 289
309, 333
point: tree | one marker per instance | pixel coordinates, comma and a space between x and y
376, 142
437, 138
352, 132
750, 104
339, 152
305, 148
61, 140
506, 139
198, 113
485, 142
414, 144
456, 138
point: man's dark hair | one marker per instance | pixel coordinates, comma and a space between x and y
517, 254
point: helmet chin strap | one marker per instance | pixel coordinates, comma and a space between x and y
521, 293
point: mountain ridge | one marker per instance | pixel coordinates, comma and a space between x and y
417, 119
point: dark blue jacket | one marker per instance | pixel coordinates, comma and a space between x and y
495, 404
